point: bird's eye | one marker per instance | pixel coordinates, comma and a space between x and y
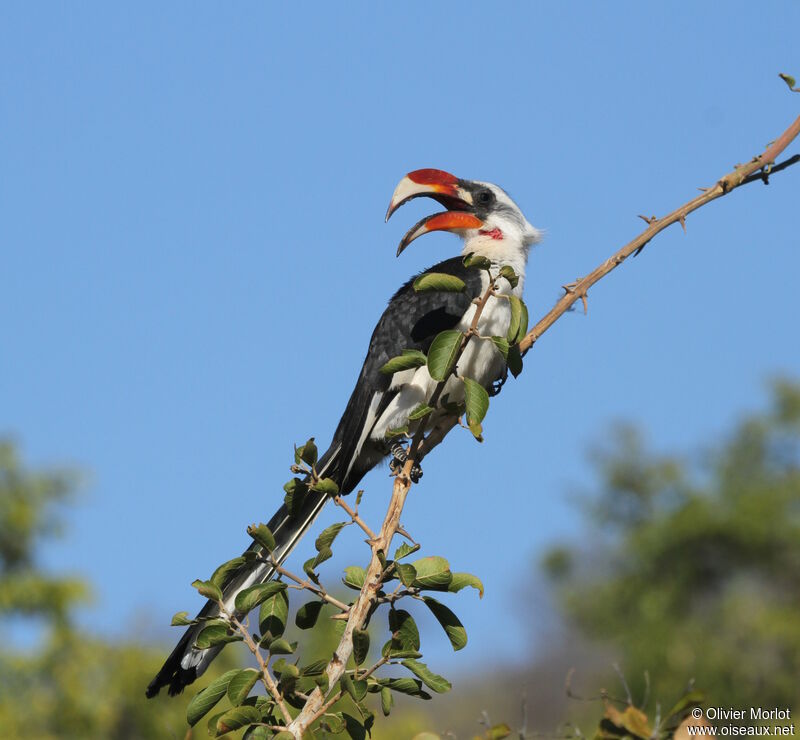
484, 197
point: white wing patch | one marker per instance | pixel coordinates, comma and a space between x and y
372, 413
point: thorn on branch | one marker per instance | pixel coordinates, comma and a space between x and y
402, 532
682, 222
649, 221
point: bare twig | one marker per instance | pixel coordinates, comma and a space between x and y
353, 514
266, 676
361, 607
308, 586
743, 174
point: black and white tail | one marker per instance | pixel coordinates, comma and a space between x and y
186, 662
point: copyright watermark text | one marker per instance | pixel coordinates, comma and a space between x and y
727, 722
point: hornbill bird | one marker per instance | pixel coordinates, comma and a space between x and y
491, 225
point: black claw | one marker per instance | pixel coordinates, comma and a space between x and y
498, 384
398, 461
398, 452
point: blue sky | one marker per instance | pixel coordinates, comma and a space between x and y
194, 256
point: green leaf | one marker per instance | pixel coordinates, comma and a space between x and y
440, 281
405, 549
206, 699
405, 635
327, 486
286, 670
324, 554
296, 491
360, 689
387, 651
360, 646
523, 323
518, 327
410, 686
515, 304
449, 621
420, 412
220, 574
477, 400
498, 732
432, 572
432, 680
317, 668
215, 634
355, 728
691, 699
462, 580
261, 534
354, 577
333, 723
387, 700
241, 684
208, 621
208, 589
308, 614
397, 432
410, 358
260, 732
507, 272
251, 597
790, 81
323, 682
406, 573
442, 353
211, 724
273, 615
514, 360
477, 261
477, 430
308, 453
180, 620
282, 735
502, 346
346, 684
280, 646
237, 717
328, 535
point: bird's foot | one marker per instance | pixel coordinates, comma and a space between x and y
498, 384
398, 461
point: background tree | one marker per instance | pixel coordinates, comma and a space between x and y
691, 564
69, 683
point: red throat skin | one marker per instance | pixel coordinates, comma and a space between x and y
494, 233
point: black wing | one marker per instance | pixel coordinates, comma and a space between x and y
410, 321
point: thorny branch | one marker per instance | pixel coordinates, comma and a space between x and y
264, 674
759, 168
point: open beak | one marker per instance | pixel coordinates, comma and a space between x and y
442, 187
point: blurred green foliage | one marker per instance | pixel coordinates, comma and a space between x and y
69, 684
691, 566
